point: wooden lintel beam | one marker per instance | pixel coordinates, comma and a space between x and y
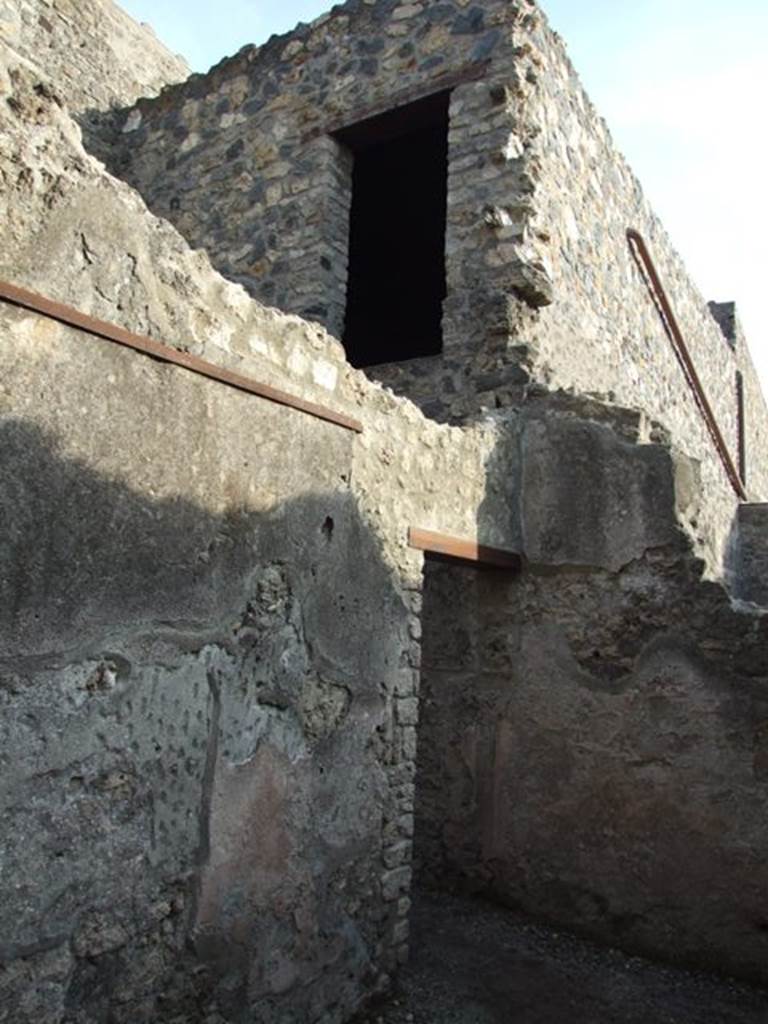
443, 546
472, 72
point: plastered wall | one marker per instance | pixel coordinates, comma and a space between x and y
210, 615
592, 751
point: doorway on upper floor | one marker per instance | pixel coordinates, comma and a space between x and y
396, 279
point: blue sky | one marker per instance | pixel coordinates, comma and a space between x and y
683, 85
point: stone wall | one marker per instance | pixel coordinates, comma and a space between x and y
603, 333
211, 618
241, 160
96, 55
592, 732
542, 287
208, 706
750, 554
177, 715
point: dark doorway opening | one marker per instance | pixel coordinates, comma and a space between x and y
396, 273
464, 689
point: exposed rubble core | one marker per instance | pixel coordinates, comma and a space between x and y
218, 742
95, 54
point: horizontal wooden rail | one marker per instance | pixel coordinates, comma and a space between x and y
643, 259
157, 350
442, 546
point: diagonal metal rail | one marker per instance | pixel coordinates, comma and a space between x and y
648, 271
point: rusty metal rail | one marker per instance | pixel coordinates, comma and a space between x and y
157, 350
455, 549
648, 271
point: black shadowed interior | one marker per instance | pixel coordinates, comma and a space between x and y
396, 275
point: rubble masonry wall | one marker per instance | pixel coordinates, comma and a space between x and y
542, 287
90, 50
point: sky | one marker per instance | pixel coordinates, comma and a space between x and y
683, 85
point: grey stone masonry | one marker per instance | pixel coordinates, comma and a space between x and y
572, 759
541, 288
245, 162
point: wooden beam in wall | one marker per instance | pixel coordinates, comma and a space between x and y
455, 549
473, 72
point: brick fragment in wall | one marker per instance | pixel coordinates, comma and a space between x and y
407, 711
396, 855
395, 882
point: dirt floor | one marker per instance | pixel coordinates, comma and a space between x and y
474, 963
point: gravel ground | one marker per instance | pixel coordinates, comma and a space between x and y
474, 963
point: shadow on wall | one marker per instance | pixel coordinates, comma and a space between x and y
192, 739
587, 727
747, 550
467, 630
102, 132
